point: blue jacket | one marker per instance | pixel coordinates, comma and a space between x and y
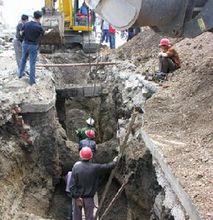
87, 143
84, 10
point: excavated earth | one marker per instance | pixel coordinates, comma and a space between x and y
38, 143
179, 117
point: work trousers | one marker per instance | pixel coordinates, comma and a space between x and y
70, 212
112, 40
30, 50
18, 50
166, 65
105, 36
88, 206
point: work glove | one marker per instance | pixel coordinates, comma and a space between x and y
162, 54
48, 31
116, 159
79, 202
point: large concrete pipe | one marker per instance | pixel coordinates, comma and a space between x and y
123, 14
172, 17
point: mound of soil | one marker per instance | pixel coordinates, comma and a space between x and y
179, 118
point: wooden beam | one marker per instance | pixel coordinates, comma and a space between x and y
116, 196
122, 149
76, 64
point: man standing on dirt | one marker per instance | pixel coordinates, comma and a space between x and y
32, 32
105, 31
85, 183
19, 38
112, 33
169, 59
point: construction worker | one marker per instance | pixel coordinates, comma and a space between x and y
84, 9
105, 31
112, 32
19, 38
85, 183
88, 142
68, 185
169, 59
90, 126
32, 32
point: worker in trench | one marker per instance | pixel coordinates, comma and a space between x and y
81, 131
169, 60
88, 141
85, 183
68, 178
32, 32
17, 43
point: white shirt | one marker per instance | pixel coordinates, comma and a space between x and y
105, 25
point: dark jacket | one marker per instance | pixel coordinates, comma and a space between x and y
32, 32
18, 32
88, 143
85, 178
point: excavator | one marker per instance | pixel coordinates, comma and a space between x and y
175, 18
68, 26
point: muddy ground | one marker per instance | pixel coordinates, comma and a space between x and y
178, 118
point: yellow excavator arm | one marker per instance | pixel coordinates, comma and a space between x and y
66, 8
50, 5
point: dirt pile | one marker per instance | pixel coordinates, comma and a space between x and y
181, 118
32, 144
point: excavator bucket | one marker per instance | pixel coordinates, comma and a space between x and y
86, 39
55, 22
89, 43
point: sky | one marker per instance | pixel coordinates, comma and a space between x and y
13, 9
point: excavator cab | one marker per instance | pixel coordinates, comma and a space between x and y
73, 18
78, 24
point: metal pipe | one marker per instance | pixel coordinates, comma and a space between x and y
158, 12
76, 64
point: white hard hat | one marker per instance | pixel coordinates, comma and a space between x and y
90, 121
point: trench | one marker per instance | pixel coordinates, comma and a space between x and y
136, 202
39, 170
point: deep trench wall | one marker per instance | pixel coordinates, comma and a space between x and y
28, 173
72, 114
69, 75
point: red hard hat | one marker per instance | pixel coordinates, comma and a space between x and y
164, 42
90, 134
86, 153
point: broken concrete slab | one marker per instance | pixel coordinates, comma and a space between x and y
72, 90
185, 200
14, 91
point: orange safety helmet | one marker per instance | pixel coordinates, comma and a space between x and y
86, 153
90, 134
165, 42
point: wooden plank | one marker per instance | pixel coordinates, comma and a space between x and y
76, 64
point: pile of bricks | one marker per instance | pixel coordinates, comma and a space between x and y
24, 129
